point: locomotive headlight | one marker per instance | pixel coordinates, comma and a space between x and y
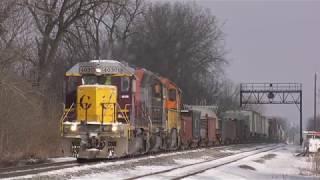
114, 128
73, 127
98, 70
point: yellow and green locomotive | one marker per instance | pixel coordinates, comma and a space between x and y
114, 110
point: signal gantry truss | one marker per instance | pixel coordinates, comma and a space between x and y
272, 93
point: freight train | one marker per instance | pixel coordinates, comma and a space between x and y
249, 126
114, 110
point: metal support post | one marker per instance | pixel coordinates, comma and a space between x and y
301, 138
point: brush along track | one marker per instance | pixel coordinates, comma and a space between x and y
46, 167
188, 170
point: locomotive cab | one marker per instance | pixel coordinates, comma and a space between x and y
98, 108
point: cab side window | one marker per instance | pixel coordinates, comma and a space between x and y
125, 84
157, 90
172, 95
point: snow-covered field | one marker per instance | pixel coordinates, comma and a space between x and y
277, 164
62, 159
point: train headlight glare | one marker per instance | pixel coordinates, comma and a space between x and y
98, 70
73, 127
114, 128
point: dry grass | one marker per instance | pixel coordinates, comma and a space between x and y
29, 126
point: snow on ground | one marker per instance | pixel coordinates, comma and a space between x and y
140, 170
177, 173
62, 159
231, 151
121, 174
77, 169
189, 161
280, 163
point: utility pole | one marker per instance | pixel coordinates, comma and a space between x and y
315, 103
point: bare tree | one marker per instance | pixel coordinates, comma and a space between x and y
228, 96
103, 34
52, 19
20, 115
180, 41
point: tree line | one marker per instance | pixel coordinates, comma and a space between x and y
41, 39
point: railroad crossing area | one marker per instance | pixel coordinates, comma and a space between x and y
241, 161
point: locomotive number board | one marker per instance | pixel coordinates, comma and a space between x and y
100, 68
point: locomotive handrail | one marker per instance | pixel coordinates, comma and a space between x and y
103, 107
65, 114
144, 113
125, 117
126, 107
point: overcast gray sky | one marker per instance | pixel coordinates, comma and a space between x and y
272, 41
277, 41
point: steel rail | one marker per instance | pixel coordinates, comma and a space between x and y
46, 167
202, 162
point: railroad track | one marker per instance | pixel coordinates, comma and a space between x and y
37, 168
189, 170
15, 172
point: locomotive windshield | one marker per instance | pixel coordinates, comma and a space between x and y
92, 80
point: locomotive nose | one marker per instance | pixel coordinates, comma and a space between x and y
96, 103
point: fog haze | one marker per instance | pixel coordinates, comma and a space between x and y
275, 41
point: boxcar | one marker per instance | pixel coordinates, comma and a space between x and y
247, 117
242, 132
228, 131
186, 128
208, 124
275, 130
242, 123
196, 128
266, 122
190, 128
212, 131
